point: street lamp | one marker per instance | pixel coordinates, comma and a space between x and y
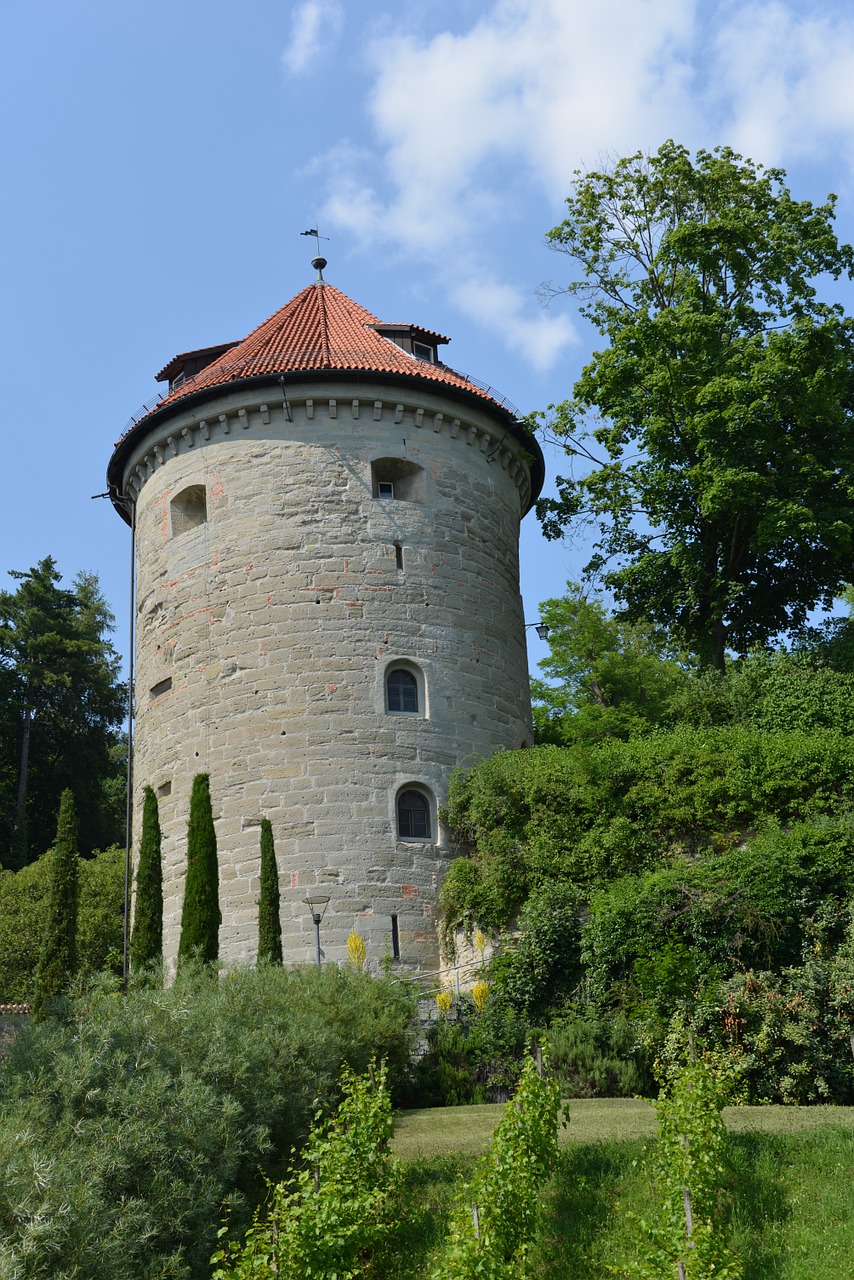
317, 904
542, 629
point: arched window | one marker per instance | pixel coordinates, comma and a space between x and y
189, 509
399, 479
402, 691
413, 816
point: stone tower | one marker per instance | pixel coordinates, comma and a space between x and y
328, 616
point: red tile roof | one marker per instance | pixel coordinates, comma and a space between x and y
321, 328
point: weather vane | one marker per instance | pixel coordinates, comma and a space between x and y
318, 237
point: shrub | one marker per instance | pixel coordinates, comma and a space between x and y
200, 914
494, 1224
588, 815
473, 1057
599, 1058
100, 920
325, 1215
146, 944
124, 1129
269, 920
58, 956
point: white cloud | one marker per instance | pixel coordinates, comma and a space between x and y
471, 127
500, 309
315, 25
784, 81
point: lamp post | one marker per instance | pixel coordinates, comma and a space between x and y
317, 904
542, 629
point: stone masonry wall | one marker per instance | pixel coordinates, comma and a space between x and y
264, 636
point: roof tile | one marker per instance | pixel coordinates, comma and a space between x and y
321, 328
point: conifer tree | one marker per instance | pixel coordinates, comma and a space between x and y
58, 960
146, 944
200, 916
269, 921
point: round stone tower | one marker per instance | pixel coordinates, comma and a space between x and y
328, 618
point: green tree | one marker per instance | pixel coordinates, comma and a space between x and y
23, 907
269, 921
58, 960
607, 677
60, 704
720, 460
146, 944
200, 915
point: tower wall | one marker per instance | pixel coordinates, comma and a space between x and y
265, 631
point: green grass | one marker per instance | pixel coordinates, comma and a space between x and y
791, 1211
440, 1131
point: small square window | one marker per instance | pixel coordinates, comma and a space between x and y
385, 489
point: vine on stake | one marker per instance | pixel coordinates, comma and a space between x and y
322, 1220
496, 1216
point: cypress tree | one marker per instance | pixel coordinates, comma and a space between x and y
200, 915
58, 960
146, 944
269, 922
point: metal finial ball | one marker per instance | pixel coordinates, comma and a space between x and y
318, 263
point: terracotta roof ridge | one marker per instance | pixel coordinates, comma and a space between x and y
324, 327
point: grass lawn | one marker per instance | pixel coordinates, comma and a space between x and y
440, 1131
791, 1189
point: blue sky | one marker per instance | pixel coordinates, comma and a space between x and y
160, 160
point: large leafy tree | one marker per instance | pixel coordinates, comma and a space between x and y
607, 678
713, 435
60, 707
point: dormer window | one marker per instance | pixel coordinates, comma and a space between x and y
185, 366
421, 344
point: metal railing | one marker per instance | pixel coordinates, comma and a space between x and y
141, 412
350, 358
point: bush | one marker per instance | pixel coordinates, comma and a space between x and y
146, 944
588, 815
58, 957
100, 920
599, 1058
655, 940
124, 1128
200, 913
473, 1057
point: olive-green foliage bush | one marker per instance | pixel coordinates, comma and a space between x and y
590, 814
22, 915
126, 1126
325, 1216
